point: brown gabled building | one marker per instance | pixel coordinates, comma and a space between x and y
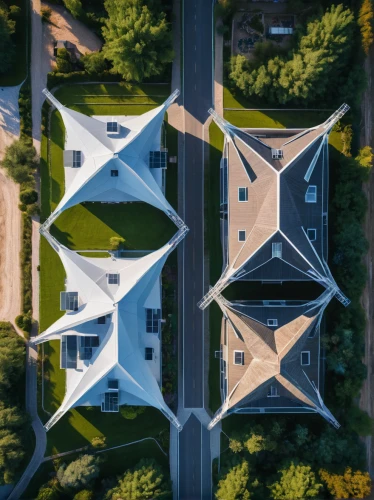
274, 221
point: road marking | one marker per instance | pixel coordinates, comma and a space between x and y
195, 67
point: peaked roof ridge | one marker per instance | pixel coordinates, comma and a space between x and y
269, 233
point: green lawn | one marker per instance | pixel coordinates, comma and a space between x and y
18, 72
86, 227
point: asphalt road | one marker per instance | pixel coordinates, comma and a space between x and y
194, 473
197, 99
194, 440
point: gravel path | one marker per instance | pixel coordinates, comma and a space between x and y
10, 216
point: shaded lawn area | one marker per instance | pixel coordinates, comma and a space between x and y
18, 72
114, 462
77, 428
212, 190
86, 227
282, 119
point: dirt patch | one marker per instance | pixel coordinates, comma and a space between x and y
63, 26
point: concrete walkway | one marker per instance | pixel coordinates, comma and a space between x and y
40, 434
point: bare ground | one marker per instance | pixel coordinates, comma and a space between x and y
366, 399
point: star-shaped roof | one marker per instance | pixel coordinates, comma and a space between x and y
119, 355
127, 153
271, 354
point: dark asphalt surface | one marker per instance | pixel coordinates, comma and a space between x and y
194, 440
197, 100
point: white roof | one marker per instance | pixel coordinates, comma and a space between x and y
120, 353
127, 152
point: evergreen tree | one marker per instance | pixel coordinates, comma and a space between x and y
7, 27
365, 21
138, 40
234, 483
145, 480
349, 485
11, 455
296, 482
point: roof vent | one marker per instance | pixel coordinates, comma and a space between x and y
277, 154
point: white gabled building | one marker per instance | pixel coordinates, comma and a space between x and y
110, 334
114, 159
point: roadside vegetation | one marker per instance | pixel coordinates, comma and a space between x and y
13, 41
301, 456
15, 428
86, 478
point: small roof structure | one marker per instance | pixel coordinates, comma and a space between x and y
271, 356
115, 166
119, 355
283, 178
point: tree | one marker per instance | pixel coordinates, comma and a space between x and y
94, 63
234, 483
19, 161
318, 61
138, 41
11, 455
11, 417
47, 492
28, 196
365, 21
365, 159
79, 473
296, 482
75, 7
63, 61
131, 412
84, 495
350, 484
145, 480
258, 440
7, 28
12, 361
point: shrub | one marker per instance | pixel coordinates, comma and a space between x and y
26, 264
63, 61
131, 412
15, 10
116, 243
28, 196
98, 441
84, 495
24, 321
20, 161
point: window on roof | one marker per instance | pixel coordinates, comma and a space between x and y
148, 353
311, 194
153, 317
242, 194
305, 358
238, 357
68, 301
276, 250
241, 235
113, 384
112, 127
158, 159
114, 173
101, 320
273, 392
77, 159
277, 154
113, 278
272, 322
312, 234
